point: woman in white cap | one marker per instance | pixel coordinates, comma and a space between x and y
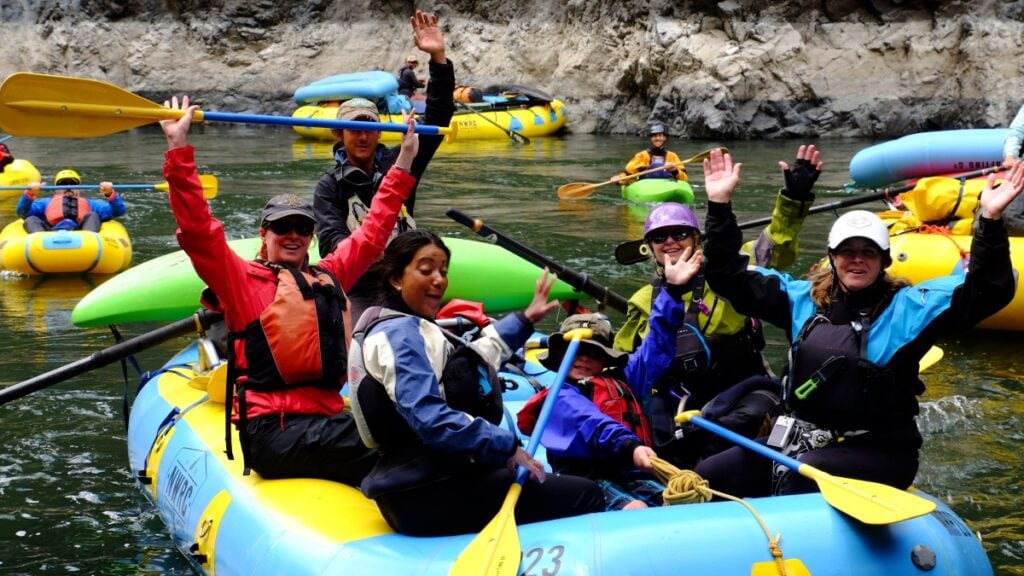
851, 385
287, 358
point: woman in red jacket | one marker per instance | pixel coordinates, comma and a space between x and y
287, 336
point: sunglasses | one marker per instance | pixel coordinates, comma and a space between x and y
867, 252
281, 227
662, 237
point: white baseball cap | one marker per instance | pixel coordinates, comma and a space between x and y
859, 224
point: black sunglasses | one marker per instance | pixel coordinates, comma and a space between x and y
661, 237
281, 227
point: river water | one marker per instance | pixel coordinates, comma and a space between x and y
68, 502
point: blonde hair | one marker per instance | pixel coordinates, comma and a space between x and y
822, 281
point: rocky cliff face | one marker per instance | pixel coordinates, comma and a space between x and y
728, 69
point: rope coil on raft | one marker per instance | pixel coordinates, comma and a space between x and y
687, 487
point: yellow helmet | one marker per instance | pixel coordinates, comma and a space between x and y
67, 176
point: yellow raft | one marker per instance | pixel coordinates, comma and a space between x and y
484, 124
19, 173
65, 251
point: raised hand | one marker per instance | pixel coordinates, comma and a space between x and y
410, 143
427, 36
540, 306
685, 267
177, 130
721, 176
801, 178
994, 200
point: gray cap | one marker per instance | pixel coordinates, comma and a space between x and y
284, 205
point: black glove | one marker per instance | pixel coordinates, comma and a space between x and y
800, 179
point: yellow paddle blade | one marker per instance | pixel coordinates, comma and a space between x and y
931, 357
61, 107
869, 502
495, 550
577, 190
792, 566
209, 182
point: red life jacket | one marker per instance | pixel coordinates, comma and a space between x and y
613, 397
66, 205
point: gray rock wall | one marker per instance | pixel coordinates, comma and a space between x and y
729, 69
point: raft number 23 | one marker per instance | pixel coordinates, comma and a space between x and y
542, 562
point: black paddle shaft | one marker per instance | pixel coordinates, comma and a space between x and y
877, 195
110, 355
578, 280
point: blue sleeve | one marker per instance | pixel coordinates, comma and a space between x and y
419, 402
651, 360
108, 209
578, 429
24, 207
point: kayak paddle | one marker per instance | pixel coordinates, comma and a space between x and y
49, 106
209, 182
579, 190
495, 550
869, 502
515, 136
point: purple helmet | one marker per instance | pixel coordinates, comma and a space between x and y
670, 215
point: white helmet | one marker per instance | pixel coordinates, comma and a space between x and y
859, 224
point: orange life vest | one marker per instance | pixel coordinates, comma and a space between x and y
66, 205
612, 396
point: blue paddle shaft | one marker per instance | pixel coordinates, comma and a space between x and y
84, 187
791, 463
549, 405
319, 123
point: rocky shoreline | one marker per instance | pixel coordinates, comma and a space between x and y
729, 69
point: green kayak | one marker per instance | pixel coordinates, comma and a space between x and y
658, 190
167, 288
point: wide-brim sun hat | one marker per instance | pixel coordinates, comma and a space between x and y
600, 342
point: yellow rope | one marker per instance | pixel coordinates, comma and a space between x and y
687, 487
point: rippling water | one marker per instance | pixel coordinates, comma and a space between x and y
69, 504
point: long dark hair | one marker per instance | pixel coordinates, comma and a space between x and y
400, 253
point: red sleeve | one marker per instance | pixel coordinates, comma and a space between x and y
357, 252
201, 236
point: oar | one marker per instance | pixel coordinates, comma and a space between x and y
495, 550
202, 319
209, 182
578, 280
869, 502
63, 107
578, 190
515, 136
877, 195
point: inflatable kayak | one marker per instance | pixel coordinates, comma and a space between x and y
17, 176
647, 190
919, 256
65, 251
167, 288
373, 84
928, 154
229, 524
483, 123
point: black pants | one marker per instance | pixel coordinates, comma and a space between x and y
91, 223
309, 446
743, 473
467, 503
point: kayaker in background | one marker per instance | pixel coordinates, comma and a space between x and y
288, 357
408, 82
654, 156
67, 209
598, 428
343, 194
446, 462
857, 336
719, 364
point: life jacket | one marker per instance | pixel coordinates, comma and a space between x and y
612, 396
657, 160
357, 188
468, 384
66, 205
831, 383
298, 341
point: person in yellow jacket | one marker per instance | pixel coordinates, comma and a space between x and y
718, 366
652, 157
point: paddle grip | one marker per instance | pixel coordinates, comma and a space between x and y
110, 355
578, 280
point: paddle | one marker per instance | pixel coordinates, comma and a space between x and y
209, 182
495, 550
877, 195
63, 107
869, 502
578, 190
202, 319
578, 280
6, 138
515, 136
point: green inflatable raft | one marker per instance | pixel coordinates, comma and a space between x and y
167, 288
650, 190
